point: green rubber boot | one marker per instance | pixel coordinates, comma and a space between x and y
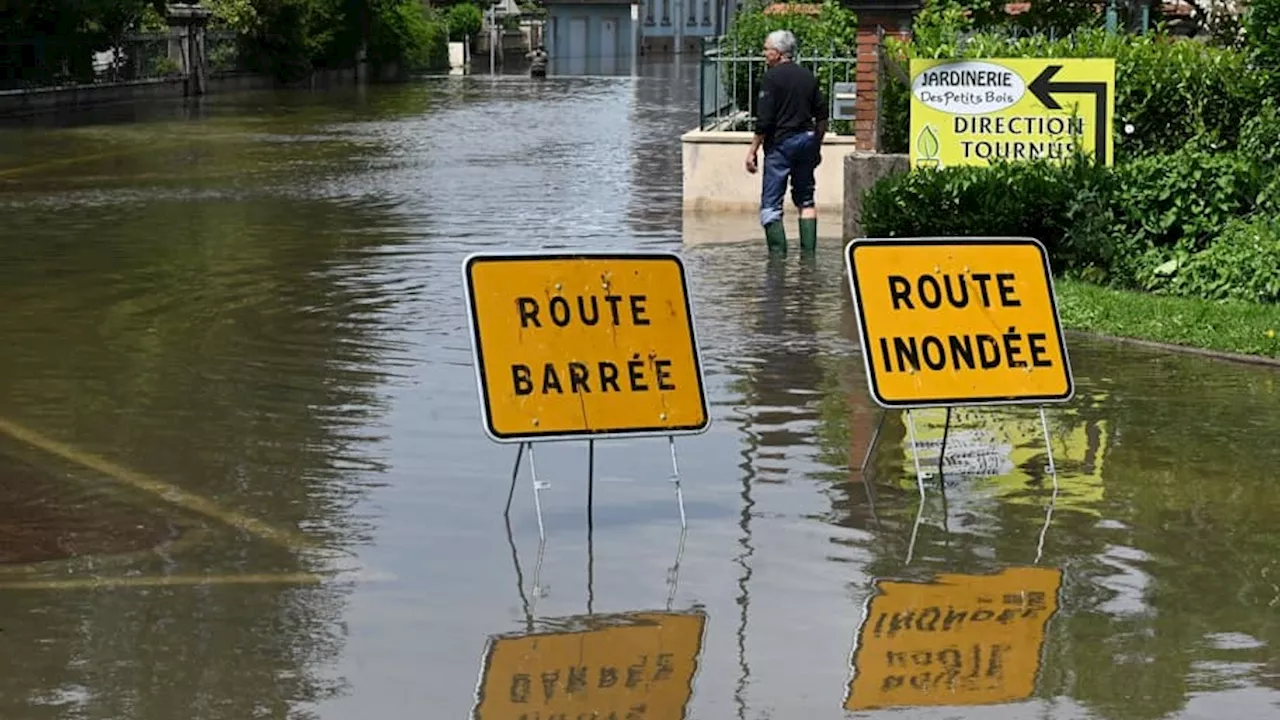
775, 236
808, 235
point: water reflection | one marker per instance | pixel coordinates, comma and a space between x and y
620, 665
956, 640
261, 305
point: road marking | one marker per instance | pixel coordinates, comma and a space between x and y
165, 491
7, 172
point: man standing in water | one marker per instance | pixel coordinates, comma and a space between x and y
538, 62
791, 120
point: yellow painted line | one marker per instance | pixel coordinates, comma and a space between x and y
165, 491
107, 583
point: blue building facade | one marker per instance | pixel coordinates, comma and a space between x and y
589, 38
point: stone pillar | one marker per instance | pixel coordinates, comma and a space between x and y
873, 26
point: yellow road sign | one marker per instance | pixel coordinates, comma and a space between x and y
973, 112
584, 345
958, 321
960, 640
616, 667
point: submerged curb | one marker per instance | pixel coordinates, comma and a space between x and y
1184, 349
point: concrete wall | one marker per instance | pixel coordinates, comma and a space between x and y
589, 53
861, 171
715, 179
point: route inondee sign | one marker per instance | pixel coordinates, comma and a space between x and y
972, 112
584, 345
959, 640
958, 321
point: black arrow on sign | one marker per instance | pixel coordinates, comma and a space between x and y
1043, 88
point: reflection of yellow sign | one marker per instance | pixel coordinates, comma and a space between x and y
958, 321
622, 667
584, 345
975, 112
960, 640
1007, 450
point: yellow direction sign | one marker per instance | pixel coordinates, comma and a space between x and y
960, 640
620, 667
973, 112
958, 321
584, 344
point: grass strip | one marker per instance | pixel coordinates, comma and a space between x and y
1225, 326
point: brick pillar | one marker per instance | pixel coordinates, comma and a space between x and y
870, 26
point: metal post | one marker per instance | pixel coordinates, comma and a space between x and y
537, 488
493, 43
915, 455
635, 39
1048, 517
675, 478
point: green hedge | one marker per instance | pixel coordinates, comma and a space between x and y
1242, 263
1168, 92
1143, 225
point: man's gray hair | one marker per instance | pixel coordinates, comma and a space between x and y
782, 41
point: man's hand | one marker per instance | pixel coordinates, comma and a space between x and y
751, 162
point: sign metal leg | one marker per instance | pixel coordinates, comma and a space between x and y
515, 473
1048, 518
915, 529
591, 485
942, 451
538, 487
537, 591
1048, 445
673, 574
875, 437
675, 478
915, 453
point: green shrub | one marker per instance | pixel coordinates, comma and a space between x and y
1243, 263
1184, 199
1260, 136
464, 20
1168, 92
832, 33
1262, 38
1118, 226
1037, 199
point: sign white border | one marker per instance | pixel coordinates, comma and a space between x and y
874, 390
476, 350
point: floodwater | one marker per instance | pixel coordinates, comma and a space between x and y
243, 473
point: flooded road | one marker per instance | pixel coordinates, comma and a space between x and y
244, 473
